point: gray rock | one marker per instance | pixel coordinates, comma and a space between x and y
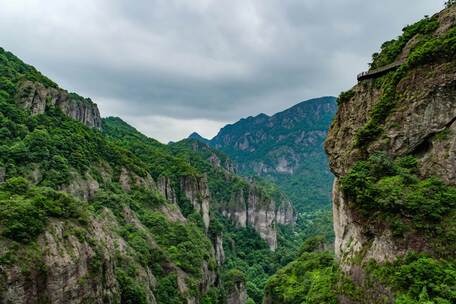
37, 98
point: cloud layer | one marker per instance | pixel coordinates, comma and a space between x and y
173, 66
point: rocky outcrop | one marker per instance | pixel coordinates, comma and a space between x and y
260, 212
164, 186
67, 274
237, 294
35, 97
2, 174
422, 124
219, 251
196, 190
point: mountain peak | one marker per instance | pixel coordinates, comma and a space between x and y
198, 137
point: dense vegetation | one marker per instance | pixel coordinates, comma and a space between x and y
390, 191
418, 278
312, 278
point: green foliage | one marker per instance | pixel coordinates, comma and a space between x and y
309, 279
417, 278
390, 50
131, 292
389, 191
233, 277
167, 290
213, 296
345, 97
25, 209
281, 137
184, 244
57, 145
13, 71
434, 49
156, 157
450, 3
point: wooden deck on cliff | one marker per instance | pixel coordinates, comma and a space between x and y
380, 71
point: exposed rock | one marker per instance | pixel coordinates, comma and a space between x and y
219, 251
261, 213
128, 180
66, 276
237, 294
2, 174
165, 188
197, 191
35, 97
285, 213
422, 124
82, 188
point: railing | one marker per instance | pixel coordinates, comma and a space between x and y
380, 71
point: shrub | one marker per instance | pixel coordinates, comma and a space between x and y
311, 278
345, 97
24, 209
383, 189
417, 278
167, 290
131, 292
390, 50
21, 219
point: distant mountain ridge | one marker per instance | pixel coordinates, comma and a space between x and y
286, 148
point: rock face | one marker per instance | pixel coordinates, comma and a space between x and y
197, 191
219, 251
2, 174
246, 204
70, 271
36, 97
422, 124
237, 294
260, 212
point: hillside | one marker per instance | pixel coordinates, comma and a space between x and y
391, 148
286, 148
93, 211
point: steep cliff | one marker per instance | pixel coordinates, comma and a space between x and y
36, 93
392, 149
243, 201
34, 96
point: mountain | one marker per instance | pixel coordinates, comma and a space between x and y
392, 150
199, 138
92, 211
286, 148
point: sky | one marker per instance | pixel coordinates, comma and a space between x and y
171, 67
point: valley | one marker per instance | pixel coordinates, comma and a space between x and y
346, 200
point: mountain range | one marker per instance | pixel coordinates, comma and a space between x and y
285, 148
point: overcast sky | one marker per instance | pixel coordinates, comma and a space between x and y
170, 67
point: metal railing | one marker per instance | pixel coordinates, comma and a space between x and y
380, 71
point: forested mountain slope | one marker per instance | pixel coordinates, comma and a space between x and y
93, 211
286, 148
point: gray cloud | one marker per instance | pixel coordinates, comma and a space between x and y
197, 64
